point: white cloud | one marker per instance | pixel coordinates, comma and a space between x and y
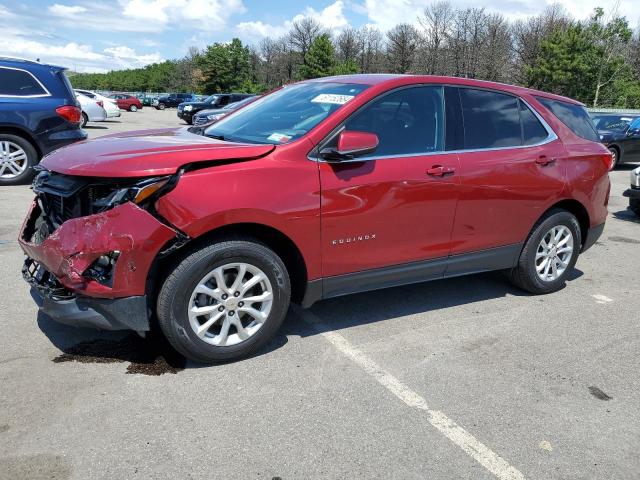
332, 18
66, 10
77, 56
208, 15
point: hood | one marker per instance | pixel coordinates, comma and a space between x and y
146, 153
209, 111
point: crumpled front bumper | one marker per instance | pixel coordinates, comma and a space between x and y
69, 251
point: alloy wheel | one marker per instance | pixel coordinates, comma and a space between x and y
554, 253
230, 304
13, 160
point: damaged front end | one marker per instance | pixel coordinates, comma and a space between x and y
90, 243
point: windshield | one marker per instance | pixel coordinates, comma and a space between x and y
616, 124
285, 115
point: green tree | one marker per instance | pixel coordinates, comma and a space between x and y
225, 67
320, 59
565, 63
346, 68
612, 40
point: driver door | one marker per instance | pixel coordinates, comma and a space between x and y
375, 211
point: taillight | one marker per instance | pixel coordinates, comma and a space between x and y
607, 159
70, 113
99, 102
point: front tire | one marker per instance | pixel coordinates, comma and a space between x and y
161, 106
17, 159
634, 205
549, 254
224, 301
84, 120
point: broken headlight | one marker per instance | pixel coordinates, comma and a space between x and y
137, 193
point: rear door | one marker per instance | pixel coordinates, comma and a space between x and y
385, 209
510, 168
633, 149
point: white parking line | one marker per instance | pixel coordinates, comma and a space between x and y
450, 429
602, 299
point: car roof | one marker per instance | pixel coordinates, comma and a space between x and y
399, 80
25, 63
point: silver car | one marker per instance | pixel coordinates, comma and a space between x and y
92, 111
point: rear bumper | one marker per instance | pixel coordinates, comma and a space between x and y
53, 140
592, 236
128, 313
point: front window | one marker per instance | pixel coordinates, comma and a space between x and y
211, 99
285, 115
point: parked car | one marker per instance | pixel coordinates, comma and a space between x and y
147, 100
621, 135
633, 193
172, 100
92, 110
38, 113
323, 188
186, 110
126, 102
108, 104
208, 116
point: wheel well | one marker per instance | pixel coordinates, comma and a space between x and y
579, 211
21, 133
277, 241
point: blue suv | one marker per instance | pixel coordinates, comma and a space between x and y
38, 113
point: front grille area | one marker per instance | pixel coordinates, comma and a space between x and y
200, 120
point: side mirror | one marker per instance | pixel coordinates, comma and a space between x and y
351, 144
635, 132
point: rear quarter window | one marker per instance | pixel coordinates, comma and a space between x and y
573, 116
19, 83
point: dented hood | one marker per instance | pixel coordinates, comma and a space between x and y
146, 153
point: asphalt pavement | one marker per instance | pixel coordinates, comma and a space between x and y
463, 378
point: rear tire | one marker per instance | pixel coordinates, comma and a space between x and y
17, 159
531, 273
84, 120
161, 106
133, 108
202, 297
634, 205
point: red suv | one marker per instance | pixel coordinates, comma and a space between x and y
322, 188
127, 102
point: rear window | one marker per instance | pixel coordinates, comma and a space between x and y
491, 119
573, 116
19, 83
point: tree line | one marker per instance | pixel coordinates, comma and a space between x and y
596, 61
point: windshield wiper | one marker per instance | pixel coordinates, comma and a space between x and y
216, 137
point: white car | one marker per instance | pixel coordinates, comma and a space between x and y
92, 110
108, 104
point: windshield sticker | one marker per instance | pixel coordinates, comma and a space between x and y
278, 137
332, 98
626, 119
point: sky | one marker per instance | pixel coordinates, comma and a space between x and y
98, 36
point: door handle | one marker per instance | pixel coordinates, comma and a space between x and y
440, 171
544, 160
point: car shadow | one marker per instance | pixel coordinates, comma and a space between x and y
626, 215
154, 356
